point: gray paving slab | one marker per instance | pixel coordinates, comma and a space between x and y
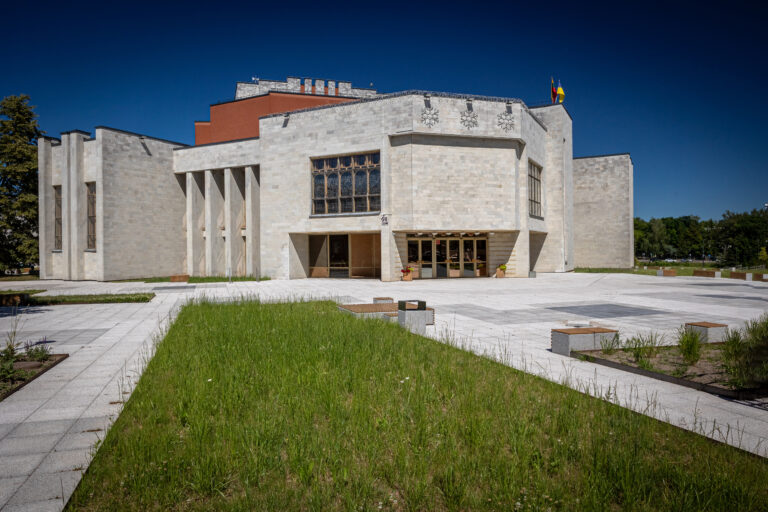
71, 407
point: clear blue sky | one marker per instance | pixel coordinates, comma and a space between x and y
681, 89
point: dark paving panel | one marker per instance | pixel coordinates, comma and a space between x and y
502, 317
606, 310
733, 300
173, 289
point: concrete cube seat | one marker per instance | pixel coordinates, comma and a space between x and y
710, 332
564, 341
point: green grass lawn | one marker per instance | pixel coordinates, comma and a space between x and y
54, 300
681, 270
22, 277
16, 292
193, 279
299, 407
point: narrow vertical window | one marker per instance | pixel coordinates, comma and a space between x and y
534, 190
57, 218
91, 196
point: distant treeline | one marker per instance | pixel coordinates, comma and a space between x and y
736, 239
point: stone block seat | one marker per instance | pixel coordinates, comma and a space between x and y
384, 310
666, 273
579, 338
710, 332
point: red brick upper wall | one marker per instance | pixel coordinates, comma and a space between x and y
239, 119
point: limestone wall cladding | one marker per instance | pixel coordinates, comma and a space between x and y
603, 211
453, 183
144, 208
285, 175
217, 156
555, 250
457, 172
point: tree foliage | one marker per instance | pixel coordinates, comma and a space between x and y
736, 239
18, 182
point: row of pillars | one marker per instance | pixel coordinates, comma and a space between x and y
223, 222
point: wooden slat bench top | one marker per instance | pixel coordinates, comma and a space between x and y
584, 330
706, 324
383, 298
381, 307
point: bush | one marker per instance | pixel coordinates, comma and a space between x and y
610, 345
745, 354
689, 342
39, 353
643, 347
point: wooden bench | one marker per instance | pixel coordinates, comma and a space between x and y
666, 273
180, 278
579, 338
706, 273
710, 332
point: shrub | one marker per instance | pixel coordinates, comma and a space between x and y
610, 345
745, 354
689, 342
643, 347
39, 353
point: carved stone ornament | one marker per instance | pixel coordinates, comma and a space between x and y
506, 121
430, 116
469, 119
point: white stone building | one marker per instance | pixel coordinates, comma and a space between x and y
450, 185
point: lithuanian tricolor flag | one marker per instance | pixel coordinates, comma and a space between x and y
554, 91
558, 94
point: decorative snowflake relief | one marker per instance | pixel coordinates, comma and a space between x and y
506, 121
430, 116
469, 119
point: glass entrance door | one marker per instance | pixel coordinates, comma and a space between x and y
448, 257
441, 257
338, 255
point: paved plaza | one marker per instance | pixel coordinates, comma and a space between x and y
49, 429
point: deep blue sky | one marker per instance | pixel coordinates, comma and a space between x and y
681, 89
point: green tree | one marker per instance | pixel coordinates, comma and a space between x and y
18, 182
763, 256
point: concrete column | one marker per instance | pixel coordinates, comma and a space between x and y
45, 206
214, 221
252, 222
331, 88
76, 204
522, 254
195, 223
234, 221
389, 272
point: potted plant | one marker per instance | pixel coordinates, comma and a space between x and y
407, 274
500, 270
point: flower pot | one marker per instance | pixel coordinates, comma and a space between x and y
408, 277
499, 273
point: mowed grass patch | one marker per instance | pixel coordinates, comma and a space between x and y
55, 300
299, 407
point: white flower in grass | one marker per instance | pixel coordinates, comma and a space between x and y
209, 380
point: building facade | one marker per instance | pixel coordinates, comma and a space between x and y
320, 179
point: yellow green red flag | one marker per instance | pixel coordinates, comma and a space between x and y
560, 92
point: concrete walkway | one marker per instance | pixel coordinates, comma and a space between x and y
49, 428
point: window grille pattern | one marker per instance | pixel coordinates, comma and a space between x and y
91, 197
346, 184
57, 218
534, 190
